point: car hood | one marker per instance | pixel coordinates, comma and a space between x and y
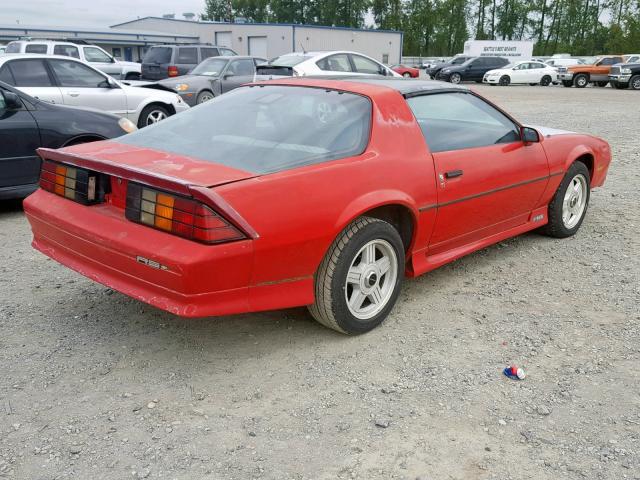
146, 165
162, 92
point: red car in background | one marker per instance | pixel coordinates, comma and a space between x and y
314, 192
407, 72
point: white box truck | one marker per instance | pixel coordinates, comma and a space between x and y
513, 50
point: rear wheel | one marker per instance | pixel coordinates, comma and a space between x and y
634, 83
504, 80
358, 282
545, 81
569, 204
533, 84
581, 80
152, 114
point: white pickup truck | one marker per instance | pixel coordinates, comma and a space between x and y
91, 54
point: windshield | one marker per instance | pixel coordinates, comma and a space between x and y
289, 60
13, 48
211, 67
264, 129
458, 60
158, 55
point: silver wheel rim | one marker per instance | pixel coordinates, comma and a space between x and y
371, 279
636, 84
155, 116
582, 81
575, 201
205, 97
455, 78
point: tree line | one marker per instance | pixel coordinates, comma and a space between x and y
440, 27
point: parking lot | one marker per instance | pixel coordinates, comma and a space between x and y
97, 385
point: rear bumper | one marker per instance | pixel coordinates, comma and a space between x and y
195, 280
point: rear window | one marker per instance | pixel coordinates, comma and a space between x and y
265, 129
13, 48
158, 55
36, 48
289, 60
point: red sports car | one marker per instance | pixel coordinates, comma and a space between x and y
407, 72
316, 192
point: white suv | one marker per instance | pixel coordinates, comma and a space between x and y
67, 81
93, 55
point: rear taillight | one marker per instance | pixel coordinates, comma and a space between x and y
70, 182
178, 215
172, 71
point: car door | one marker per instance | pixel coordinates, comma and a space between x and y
98, 58
488, 179
19, 138
33, 77
238, 72
336, 64
519, 73
476, 69
83, 86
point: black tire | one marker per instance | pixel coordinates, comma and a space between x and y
545, 81
620, 86
132, 76
406, 75
602, 84
455, 78
581, 80
556, 227
567, 83
504, 80
144, 119
533, 84
330, 307
634, 82
204, 96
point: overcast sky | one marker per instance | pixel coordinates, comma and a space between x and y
90, 13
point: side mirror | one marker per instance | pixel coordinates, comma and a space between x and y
228, 75
529, 135
12, 101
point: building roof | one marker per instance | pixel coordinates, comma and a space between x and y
27, 30
246, 24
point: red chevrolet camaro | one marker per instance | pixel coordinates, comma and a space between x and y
407, 72
316, 192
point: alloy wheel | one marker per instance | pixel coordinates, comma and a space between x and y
371, 279
155, 116
575, 201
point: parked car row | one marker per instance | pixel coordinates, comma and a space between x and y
599, 72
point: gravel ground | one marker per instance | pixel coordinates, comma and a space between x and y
95, 385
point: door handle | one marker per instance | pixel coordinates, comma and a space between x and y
73, 94
453, 174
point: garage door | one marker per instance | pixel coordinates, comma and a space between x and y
258, 47
223, 39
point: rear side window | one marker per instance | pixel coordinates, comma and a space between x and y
66, 50
5, 75
242, 67
35, 48
187, 55
158, 55
208, 52
75, 74
456, 121
30, 73
266, 129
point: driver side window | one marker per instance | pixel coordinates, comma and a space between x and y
335, 63
456, 121
95, 55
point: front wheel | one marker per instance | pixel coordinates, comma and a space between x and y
504, 80
634, 83
204, 96
567, 83
569, 204
581, 80
406, 75
358, 282
152, 114
455, 78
